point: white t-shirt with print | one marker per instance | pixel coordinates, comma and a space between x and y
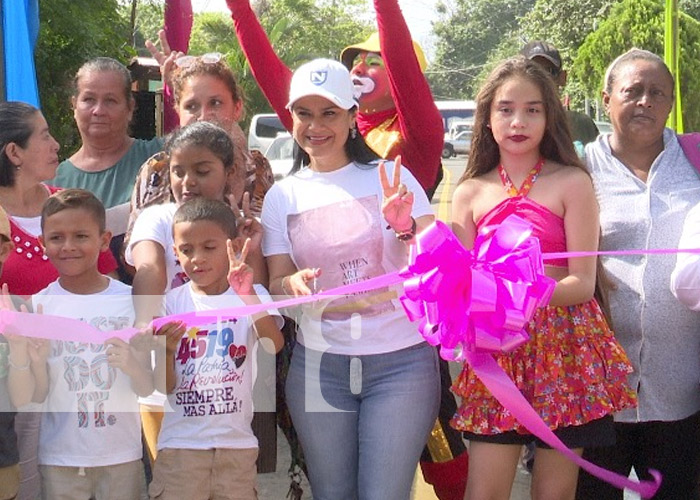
333, 221
91, 415
212, 403
155, 224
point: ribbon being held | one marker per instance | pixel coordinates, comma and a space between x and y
476, 303
471, 303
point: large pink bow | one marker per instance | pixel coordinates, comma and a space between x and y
479, 301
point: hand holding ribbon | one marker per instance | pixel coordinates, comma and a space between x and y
478, 301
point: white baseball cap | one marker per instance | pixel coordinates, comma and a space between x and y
325, 78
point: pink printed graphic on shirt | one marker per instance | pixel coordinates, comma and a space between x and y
210, 369
345, 240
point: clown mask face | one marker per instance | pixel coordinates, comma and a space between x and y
371, 82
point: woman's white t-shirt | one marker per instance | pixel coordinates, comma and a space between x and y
333, 221
155, 224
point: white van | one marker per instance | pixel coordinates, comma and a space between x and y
455, 111
263, 130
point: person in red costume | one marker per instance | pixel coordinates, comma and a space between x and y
400, 106
397, 115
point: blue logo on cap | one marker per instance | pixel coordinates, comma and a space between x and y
318, 77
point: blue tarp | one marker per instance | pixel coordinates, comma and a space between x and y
20, 24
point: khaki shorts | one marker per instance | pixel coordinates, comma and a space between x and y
111, 482
217, 474
9, 482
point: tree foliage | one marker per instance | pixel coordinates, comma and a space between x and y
467, 33
640, 23
149, 19
71, 32
690, 7
564, 23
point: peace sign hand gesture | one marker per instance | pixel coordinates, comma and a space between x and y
240, 274
397, 202
166, 58
248, 226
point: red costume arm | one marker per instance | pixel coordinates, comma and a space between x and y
271, 74
420, 121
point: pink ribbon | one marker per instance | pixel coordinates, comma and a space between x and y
505, 391
46, 326
477, 301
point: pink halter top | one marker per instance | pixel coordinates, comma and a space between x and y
547, 226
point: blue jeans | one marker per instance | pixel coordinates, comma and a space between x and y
363, 420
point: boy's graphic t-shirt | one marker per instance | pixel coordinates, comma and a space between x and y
91, 416
212, 403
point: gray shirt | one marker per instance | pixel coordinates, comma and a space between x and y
661, 336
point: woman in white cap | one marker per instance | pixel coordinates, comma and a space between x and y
363, 386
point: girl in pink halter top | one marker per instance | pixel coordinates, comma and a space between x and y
571, 349
572, 371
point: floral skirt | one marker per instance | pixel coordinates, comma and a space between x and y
572, 371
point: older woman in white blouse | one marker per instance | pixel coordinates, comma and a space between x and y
645, 186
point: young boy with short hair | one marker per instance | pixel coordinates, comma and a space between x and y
90, 440
206, 447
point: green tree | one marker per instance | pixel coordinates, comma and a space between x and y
690, 7
71, 32
299, 30
467, 33
564, 23
640, 23
148, 19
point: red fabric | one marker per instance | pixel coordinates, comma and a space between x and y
269, 71
366, 122
449, 479
29, 271
178, 26
546, 226
419, 121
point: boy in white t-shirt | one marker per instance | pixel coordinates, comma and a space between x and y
90, 440
206, 447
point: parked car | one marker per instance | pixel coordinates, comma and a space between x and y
458, 145
280, 154
263, 130
458, 126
